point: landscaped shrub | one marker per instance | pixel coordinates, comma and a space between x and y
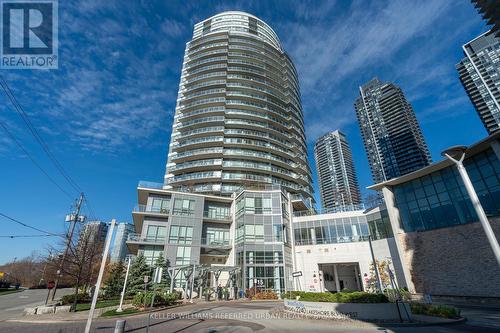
435, 310
161, 298
351, 297
69, 299
400, 294
266, 295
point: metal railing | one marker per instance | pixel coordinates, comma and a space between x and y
215, 242
153, 185
150, 209
145, 239
346, 208
216, 216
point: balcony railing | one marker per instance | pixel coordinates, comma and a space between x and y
138, 238
215, 242
151, 209
346, 208
153, 185
216, 216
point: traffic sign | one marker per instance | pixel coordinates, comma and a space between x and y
297, 274
51, 284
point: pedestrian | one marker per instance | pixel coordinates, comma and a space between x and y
219, 293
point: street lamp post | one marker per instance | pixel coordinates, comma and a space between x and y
457, 154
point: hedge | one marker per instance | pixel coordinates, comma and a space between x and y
160, 298
342, 297
69, 299
444, 311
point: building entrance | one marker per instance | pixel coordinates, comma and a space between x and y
339, 276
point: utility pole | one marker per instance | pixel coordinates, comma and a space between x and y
74, 220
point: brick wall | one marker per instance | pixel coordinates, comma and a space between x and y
453, 261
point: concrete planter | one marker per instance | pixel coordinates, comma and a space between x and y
361, 311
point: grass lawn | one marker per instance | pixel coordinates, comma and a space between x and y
99, 304
9, 291
113, 313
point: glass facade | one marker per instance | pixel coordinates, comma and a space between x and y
440, 200
343, 229
262, 227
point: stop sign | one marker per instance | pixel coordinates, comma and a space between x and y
51, 284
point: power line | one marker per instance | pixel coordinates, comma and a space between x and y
13, 138
35, 133
29, 226
23, 236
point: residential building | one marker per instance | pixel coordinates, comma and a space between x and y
255, 239
489, 11
93, 232
479, 73
238, 119
392, 137
119, 248
443, 248
338, 184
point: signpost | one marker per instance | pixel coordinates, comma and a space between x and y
50, 286
156, 279
297, 275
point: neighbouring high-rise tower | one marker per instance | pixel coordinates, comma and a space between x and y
338, 184
392, 136
238, 119
479, 73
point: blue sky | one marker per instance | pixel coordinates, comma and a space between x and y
106, 113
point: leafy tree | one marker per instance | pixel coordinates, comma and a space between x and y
165, 264
114, 282
138, 270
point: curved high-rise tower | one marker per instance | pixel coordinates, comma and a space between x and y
238, 119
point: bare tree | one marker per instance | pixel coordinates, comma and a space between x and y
84, 253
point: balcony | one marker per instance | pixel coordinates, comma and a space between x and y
134, 240
150, 209
213, 215
216, 243
138, 238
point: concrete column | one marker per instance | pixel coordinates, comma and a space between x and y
398, 232
336, 275
356, 272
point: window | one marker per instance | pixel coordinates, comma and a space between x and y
216, 236
155, 233
160, 205
440, 199
181, 235
151, 253
183, 207
183, 255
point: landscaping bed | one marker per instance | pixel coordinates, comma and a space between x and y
342, 297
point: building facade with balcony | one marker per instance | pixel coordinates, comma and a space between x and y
479, 73
392, 137
119, 248
262, 234
238, 119
338, 183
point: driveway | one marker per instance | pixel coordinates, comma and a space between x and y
229, 317
12, 305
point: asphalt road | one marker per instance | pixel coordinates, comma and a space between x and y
12, 305
243, 317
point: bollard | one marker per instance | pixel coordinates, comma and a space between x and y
120, 326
